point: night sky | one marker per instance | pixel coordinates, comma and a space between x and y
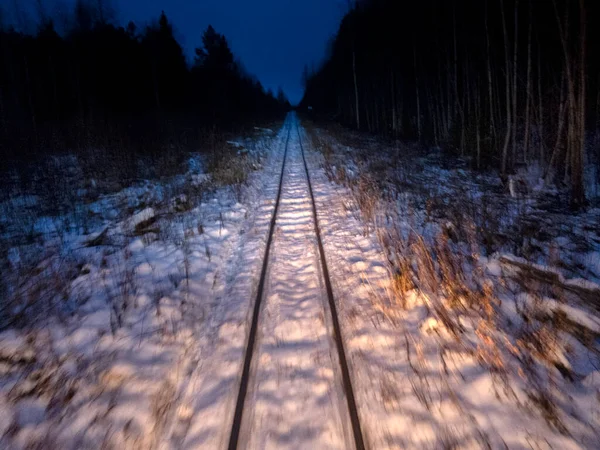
274, 39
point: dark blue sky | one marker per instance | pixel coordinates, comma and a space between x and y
274, 39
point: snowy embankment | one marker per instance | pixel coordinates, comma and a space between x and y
208, 401
108, 309
454, 341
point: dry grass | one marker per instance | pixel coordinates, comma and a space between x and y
37, 273
444, 268
163, 402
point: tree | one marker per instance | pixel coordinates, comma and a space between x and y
168, 66
84, 17
281, 97
99, 84
479, 78
215, 53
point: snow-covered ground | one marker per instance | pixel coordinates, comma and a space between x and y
106, 328
452, 347
467, 323
208, 403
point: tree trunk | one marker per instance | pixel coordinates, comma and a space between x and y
576, 94
477, 129
508, 97
2, 113
514, 84
30, 98
528, 89
355, 89
559, 132
541, 110
489, 75
419, 132
578, 189
394, 118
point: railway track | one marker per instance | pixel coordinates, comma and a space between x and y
289, 240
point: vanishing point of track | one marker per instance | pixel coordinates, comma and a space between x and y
251, 343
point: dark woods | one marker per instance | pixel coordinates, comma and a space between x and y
99, 85
509, 83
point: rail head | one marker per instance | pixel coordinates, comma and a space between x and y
349, 391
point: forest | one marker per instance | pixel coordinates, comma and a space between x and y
407, 258
511, 84
97, 84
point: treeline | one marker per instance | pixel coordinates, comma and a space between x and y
96, 83
506, 82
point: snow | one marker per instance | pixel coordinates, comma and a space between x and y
264, 130
143, 329
296, 398
131, 347
416, 385
204, 414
